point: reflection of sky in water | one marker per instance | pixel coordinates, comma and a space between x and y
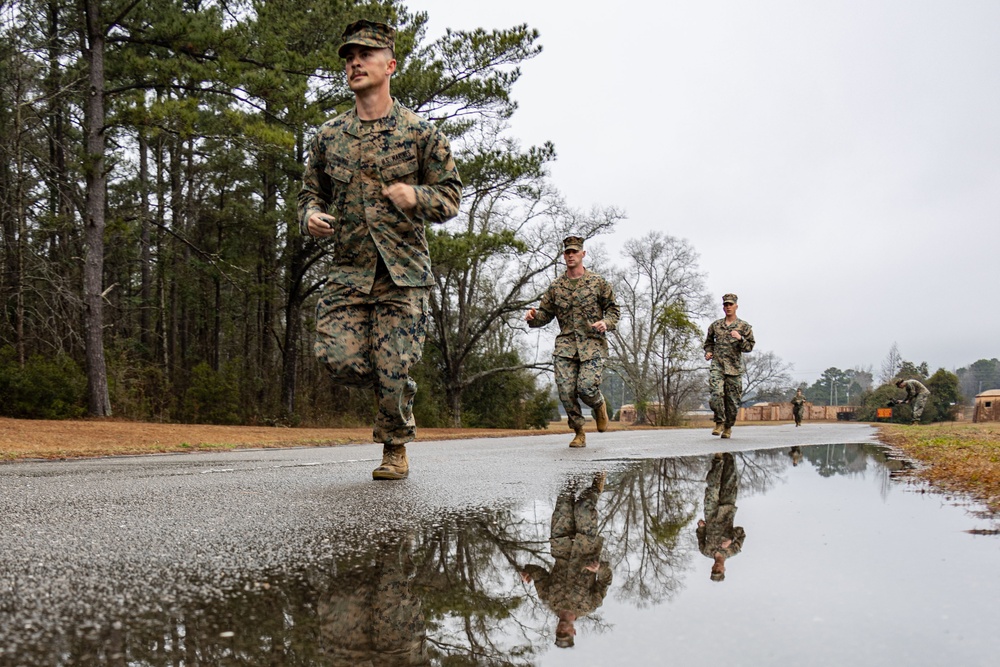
840, 565
843, 569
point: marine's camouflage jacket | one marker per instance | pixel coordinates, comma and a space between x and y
570, 586
718, 529
727, 352
914, 388
577, 303
348, 164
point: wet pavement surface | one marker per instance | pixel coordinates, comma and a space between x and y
795, 546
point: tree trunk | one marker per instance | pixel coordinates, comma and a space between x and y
98, 401
146, 260
453, 394
293, 326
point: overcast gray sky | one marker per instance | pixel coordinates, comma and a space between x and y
836, 164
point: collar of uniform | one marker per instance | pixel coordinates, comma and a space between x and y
566, 275
358, 128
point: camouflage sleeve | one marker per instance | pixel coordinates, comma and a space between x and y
612, 313
604, 577
440, 189
737, 545
709, 345
316, 190
537, 572
748, 341
545, 312
540, 576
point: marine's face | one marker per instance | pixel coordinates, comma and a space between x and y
367, 68
573, 257
729, 309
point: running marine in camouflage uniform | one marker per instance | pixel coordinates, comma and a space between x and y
916, 395
374, 177
726, 341
584, 305
798, 406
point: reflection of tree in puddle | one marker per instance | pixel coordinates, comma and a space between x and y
647, 509
444, 592
450, 590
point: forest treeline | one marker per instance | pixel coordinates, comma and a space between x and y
151, 152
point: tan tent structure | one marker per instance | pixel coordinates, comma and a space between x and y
987, 406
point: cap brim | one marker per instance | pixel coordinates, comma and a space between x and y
360, 42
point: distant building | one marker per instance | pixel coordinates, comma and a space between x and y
628, 413
783, 412
986, 409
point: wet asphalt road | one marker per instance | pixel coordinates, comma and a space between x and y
101, 537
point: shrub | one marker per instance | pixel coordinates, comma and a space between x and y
45, 388
213, 397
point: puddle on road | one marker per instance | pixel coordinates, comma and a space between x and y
815, 556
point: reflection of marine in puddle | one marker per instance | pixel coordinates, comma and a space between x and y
795, 453
579, 579
717, 537
370, 615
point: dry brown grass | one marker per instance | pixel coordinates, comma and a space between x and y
39, 439
22, 439
960, 456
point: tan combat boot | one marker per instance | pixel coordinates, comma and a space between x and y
718, 428
727, 432
580, 440
601, 417
395, 464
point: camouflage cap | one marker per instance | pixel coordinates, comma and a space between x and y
573, 242
729, 298
368, 33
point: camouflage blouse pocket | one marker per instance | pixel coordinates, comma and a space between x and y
340, 178
590, 306
405, 172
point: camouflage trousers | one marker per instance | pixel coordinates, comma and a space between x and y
721, 485
370, 614
581, 380
919, 401
575, 515
370, 341
726, 392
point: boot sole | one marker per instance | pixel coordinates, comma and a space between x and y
388, 475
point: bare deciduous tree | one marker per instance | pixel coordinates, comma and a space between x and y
661, 292
890, 365
766, 375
